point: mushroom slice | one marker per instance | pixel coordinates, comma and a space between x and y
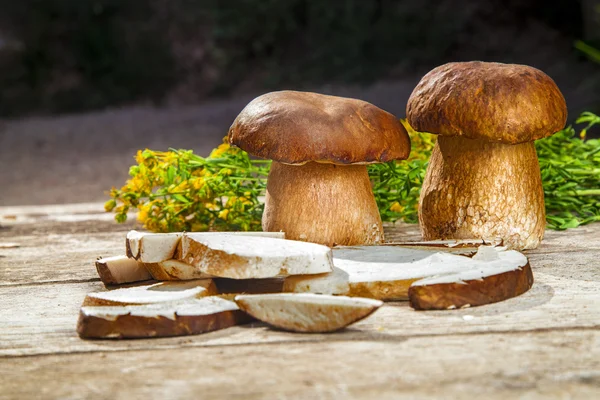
155, 293
151, 247
385, 272
174, 270
496, 277
159, 320
246, 257
306, 312
463, 247
154, 248
120, 269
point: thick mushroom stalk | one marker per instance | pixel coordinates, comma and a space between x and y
323, 203
477, 188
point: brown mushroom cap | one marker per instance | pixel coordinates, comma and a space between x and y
505, 103
299, 127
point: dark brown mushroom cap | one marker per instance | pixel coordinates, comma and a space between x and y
298, 127
506, 103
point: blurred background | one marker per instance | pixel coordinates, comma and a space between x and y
85, 83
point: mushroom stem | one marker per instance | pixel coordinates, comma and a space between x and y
482, 189
322, 203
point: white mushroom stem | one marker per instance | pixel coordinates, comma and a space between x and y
322, 203
480, 189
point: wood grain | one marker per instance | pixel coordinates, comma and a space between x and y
513, 365
543, 344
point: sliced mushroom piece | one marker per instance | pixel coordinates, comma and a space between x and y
120, 269
155, 293
496, 277
154, 248
306, 312
384, 272
151, 247
246, 257
463, 247
159, 320
174, 270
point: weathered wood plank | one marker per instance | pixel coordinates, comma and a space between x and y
41, 319
524, 365
56, 252
57, 257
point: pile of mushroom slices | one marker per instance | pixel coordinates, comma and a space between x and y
172, 284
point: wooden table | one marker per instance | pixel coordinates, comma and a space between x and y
543, 344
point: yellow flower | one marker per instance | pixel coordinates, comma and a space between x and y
109, 205
244, 201
170, 157
211, 206
200, 172
136, 184
139, 157
197, 183
223, 214
144, 213
396, 207
182, 187
231, 201
216, 153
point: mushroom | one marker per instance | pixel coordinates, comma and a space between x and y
177, 318
318, 188
483, 178
307, 312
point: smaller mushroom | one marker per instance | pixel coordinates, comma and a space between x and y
318, 189
483, 179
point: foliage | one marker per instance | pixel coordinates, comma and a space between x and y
571, 176
178, 190
81, 54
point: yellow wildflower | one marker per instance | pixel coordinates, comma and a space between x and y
197, 183
211, 206
223, 214
144, 213
231, 201
216, 153
139, 157
170, 157
135, 184
396, 207
244, 201
109, 205
182, 187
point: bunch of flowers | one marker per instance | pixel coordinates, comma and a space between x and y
177, 190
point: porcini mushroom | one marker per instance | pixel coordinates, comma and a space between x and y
483, 178
318, 188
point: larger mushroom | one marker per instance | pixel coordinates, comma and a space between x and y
318, 188
483, 178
